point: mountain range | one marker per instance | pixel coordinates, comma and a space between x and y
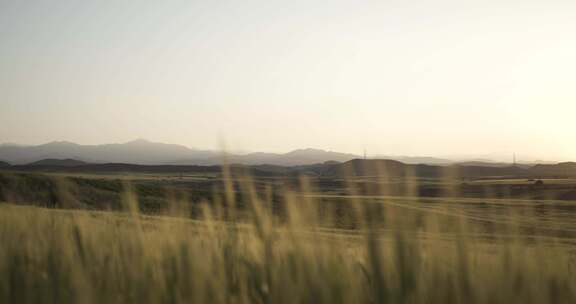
145, 152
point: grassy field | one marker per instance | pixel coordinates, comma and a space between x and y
295, 246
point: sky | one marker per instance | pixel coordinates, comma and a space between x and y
394, 77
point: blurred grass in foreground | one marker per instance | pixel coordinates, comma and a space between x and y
65, 256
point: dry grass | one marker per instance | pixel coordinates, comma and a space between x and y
58, 256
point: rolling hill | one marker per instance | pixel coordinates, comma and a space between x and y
330, 169
58, 162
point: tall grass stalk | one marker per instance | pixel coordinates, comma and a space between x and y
247, 253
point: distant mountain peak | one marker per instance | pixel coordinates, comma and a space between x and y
138, 141
306, 150
144, 143
60, 143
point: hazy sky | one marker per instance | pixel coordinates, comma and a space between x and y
397, 77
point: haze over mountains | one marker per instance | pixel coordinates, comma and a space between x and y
144, 152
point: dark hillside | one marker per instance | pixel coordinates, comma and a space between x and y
560, 169
355, 167
58, 162
396, 169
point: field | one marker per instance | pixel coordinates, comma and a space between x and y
235, 239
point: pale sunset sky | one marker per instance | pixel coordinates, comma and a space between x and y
434, 78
